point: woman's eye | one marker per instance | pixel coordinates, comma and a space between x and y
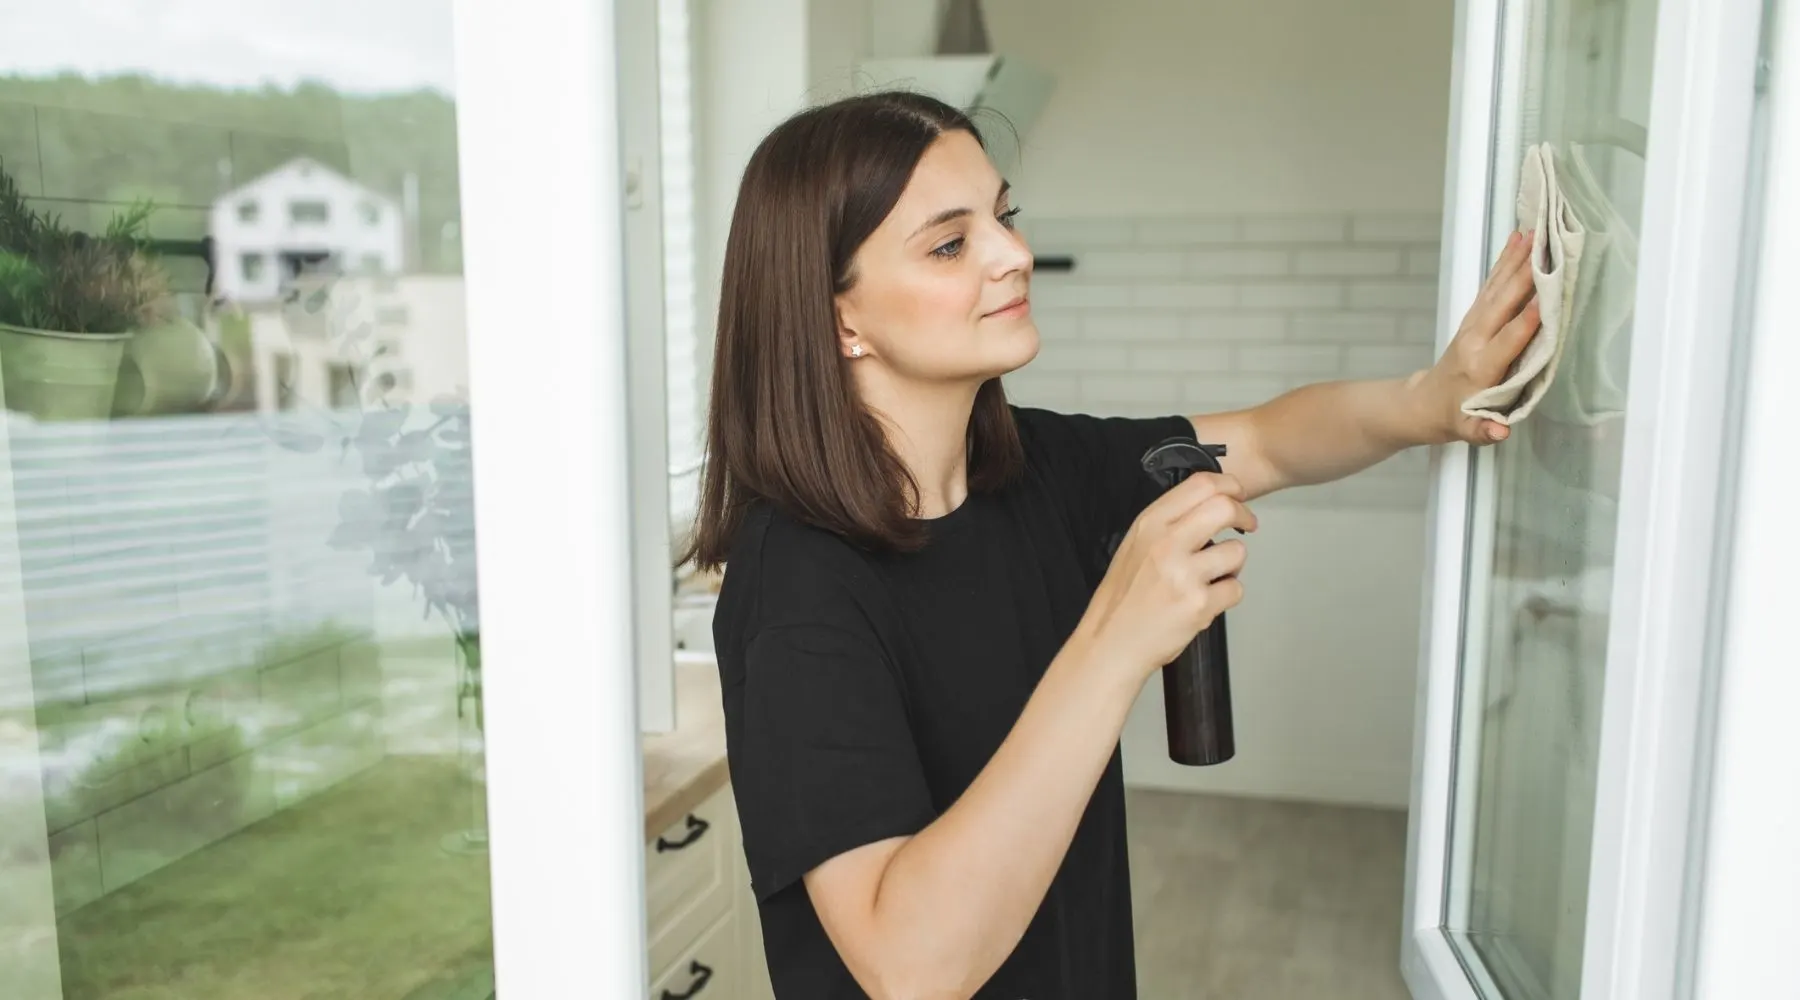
949, 250
1007, 217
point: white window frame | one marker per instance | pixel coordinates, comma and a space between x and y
539, 128
1746, 922
1662, 634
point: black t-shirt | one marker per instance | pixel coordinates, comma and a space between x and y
864, 692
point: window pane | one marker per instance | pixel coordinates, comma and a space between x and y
1534, 663
240, 699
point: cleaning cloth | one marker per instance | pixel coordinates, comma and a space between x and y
1555, 271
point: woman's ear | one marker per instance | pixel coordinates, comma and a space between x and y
850, 345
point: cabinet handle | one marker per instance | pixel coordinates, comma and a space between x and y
702, 975
696, 827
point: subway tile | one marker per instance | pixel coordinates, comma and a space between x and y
359, 672
301, 691
1082, 357
1414, 294
1189, 231
1347, 263
1386, 361
74, 796
254, 154
1030, 387
19, 146
1134, 265
1181, 358
1235, 326
1061, 293
1290, 358
316, 758
1296, 228
1231, 391
1193, 295
1101, 388
1419, 327
1132, 325
1064, 235
1347, 327
1422, 262
102, 157
1237, 263
1056, 324
150, 832
1291, 295
172, 222
1397, 227
75, 867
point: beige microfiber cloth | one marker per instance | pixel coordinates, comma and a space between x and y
1555, 270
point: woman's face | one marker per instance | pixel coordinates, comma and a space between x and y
940, 288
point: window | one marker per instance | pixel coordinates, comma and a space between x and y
287, 382
249, 211
310, 211
371, 213
340, 378
252, 265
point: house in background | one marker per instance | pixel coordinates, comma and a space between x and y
299, 218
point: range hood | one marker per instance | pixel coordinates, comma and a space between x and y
1002, 93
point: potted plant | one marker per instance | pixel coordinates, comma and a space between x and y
415, 521
69, 302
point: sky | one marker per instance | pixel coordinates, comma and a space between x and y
361, 46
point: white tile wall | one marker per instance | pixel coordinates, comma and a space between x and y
1178, 315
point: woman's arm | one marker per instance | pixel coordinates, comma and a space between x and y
933, 915
1318, 433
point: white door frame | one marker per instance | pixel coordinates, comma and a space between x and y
1662, 634
539, 137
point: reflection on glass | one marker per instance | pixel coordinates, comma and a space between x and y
240, 699
1534, 663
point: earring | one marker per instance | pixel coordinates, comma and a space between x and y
856, 350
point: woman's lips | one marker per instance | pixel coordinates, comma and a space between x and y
1017, 307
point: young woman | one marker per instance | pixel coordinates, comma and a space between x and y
938, 608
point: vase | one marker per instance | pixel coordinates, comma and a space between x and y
471, 748
169, 368
57, 376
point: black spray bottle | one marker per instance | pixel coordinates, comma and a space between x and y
1197, 685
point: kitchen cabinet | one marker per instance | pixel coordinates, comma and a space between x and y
704, 937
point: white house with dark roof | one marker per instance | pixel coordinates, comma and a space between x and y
302, 217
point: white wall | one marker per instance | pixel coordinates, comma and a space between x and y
1251, 192
751, 60
1220, 105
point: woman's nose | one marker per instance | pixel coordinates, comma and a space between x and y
1010, 253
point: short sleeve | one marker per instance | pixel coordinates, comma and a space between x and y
823, 760
1094, 465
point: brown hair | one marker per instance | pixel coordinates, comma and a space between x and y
785, 425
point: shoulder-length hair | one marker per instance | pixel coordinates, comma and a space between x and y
785, 425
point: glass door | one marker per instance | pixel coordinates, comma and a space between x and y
1568, 643
255, 699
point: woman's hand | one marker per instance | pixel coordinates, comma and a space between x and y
1164, 583
1493, 333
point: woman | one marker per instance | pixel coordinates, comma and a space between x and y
927, 641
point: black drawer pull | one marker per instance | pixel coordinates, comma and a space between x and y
696, 826
702, 975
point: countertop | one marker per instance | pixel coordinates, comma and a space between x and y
687, 764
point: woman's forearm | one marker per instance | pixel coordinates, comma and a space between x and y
955, 899
1325, 431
